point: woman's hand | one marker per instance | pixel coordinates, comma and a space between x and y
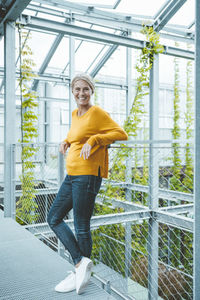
85, 151
63, 147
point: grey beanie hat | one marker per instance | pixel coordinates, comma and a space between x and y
85, 77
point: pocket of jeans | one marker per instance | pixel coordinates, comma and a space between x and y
94, 184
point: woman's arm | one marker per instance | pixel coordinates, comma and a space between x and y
110, 131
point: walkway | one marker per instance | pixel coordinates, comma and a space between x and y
29, 269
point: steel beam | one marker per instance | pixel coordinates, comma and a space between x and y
182, 53
167, 13
97, 221
174, 220
126, 205
129, 24
153, 181
180, 34
57, 27
85, 33
178, 209
85, 9
9, 115
103, 220
116, 4
197, 158
162, 193
161, 9
12, 12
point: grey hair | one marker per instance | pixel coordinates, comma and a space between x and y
85, 77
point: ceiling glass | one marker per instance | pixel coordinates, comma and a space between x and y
89, 53
96, 2
40, 44
116, 65
86, 55
142, 7
185, 15
61, 56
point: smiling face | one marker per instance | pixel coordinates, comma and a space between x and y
82, 93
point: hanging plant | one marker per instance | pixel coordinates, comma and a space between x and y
26, 206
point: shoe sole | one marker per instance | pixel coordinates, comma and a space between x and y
66, 291
87, 278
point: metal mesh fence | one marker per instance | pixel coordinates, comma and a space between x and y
138, 248
121, 256
36, 182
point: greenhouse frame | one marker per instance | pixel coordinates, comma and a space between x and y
146, 225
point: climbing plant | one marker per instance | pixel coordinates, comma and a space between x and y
119, 159
26, 205
189, 121
134, 119
175, 182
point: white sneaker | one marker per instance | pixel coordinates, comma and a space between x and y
83, 274
68, 284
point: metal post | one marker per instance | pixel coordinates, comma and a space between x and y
13, 180
196, 290
60, 180
47, 122
72, 104
60, 168
153, 181
9, 113
128, 165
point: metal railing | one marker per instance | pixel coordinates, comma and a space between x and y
140, 250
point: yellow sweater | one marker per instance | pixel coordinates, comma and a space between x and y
97, 129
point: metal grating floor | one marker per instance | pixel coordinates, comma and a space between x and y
29, 269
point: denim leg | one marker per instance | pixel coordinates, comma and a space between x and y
84, 191
61, 206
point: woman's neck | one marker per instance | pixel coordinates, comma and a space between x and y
83, 109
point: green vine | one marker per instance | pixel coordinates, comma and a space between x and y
133, 121
176, 132
26, 206
189, 121
118, 168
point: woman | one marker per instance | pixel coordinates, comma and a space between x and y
91, 131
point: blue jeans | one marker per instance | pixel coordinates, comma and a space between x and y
79, 193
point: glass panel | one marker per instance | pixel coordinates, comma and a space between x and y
40, 44
142, 7
95, 2
116, 64
60, 57
185, 15
86, 55
112, 100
